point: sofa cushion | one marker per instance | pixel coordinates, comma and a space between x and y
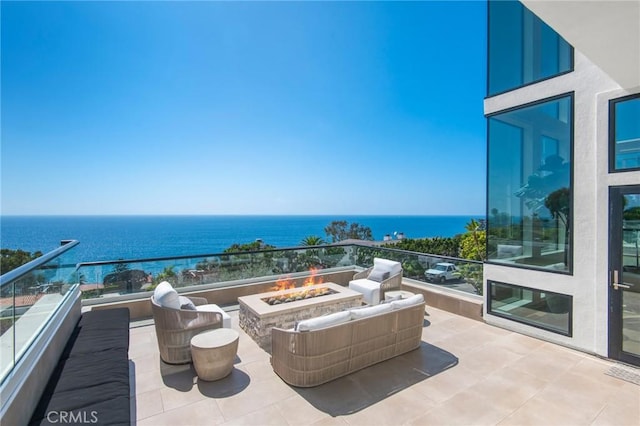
392, 266
378, 275
370, 310
186, 303
97, 331
323, 321
416, 299
370, 290
166, 296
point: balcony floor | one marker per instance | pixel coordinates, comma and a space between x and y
465, 373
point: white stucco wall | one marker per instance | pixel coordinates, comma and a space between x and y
589, 283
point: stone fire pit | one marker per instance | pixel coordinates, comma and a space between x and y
257, 317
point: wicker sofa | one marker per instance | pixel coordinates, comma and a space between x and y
341, 344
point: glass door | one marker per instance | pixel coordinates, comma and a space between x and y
624, 274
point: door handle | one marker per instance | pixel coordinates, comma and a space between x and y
616, 285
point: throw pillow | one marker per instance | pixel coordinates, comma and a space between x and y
166, 296
186, 303
378, 275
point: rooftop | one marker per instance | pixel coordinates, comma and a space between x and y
465, 373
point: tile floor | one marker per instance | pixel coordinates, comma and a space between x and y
465, 373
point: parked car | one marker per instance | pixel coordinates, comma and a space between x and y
442, 272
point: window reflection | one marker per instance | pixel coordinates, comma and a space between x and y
626, 135
530, 195
522, 48
542, 309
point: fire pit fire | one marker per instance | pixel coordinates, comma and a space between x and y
297, 295
285, 284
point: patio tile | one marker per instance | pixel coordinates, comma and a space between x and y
331, 421
507, 388
487, 361
173, 398
255, 397
471, 339
622, 408
452, 325
546, 362
145, 382
543, 411
596, 369
148, 404
203, 413
297, 411
583, 391
397, 409
259, 370
516, 343
267, 416
142, 344
464, 408
443, 386
147, 363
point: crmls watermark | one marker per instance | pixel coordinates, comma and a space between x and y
70, 417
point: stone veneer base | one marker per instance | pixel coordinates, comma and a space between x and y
257, 317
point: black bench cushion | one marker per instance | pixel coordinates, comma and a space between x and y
92, 377
98, 331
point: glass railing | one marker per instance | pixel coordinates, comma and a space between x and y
115, 278
29, 296
448, 272
107, 279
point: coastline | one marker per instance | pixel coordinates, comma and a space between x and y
138, 237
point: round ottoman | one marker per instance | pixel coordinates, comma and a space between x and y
213, 353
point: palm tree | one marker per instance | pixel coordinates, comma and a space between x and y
475, 228
312, 240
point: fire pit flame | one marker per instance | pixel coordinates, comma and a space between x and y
286, 284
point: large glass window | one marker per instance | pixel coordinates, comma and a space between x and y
539, 308
625, 133
529, 200
522, 48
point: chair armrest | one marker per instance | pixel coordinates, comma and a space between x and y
193, 320
391, 283
362, 274
198, 300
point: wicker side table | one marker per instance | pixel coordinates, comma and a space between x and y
213, 353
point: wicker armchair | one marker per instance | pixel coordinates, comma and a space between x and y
176, 327
385, 275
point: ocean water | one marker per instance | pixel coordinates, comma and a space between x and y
140, 237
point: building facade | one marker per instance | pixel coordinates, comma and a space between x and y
563, 173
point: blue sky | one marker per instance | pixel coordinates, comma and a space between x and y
243, 108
